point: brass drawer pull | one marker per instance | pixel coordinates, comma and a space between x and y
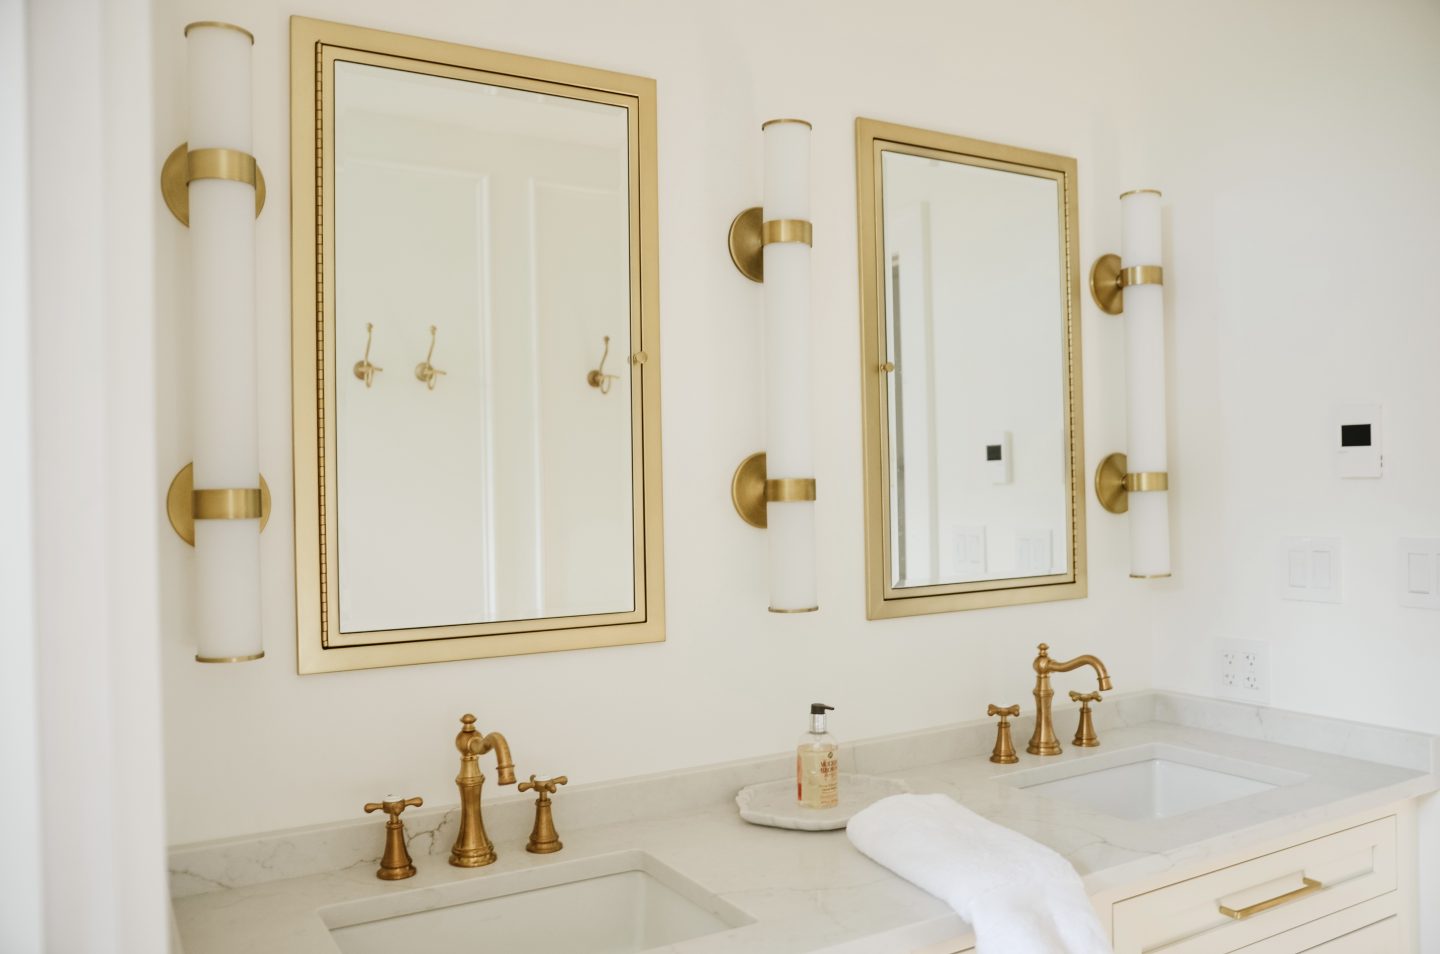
1240, 914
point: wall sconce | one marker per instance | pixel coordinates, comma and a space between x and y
213, 185
771, 244
1139, 482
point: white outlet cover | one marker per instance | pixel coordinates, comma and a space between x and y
1419, 573
1309, 569
1242, 670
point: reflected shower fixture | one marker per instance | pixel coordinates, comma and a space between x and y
425, 371
220, 502
1138, 482
598, 378
775, 489
364, 370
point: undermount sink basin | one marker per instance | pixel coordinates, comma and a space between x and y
1151, 781
623, 903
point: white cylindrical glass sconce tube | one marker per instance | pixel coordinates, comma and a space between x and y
222, 308
789, 449
1145, 366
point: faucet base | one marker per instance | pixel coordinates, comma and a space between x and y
1043, 748
472, 858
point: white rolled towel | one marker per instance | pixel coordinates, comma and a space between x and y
1018, 895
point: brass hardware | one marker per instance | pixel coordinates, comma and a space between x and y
778, 122
184, 505
883, 599
221, 25
1142, 275
1085, 736
230, 659
183, 167
1140, 192
1113, 484
747, 490
598, 378
543, 838
1309, 886
750, 233
315, 47
1109, 279
750, 491
789, 489
1043, 741
1004, 752
395, 865
425, 371
473, 849
364, 370
780, 231
747, 244
639, 357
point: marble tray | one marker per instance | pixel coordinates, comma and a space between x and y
774, 804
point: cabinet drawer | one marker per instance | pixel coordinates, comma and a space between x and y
1382, 938
1227, 909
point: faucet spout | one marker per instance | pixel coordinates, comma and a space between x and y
473, 847
1043, 740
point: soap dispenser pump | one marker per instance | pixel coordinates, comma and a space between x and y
817, 764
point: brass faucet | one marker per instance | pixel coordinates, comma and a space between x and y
1043, 741
473, 848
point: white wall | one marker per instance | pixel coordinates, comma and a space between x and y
21, 911
94, 488
256, 747
1295, 142
1298, 159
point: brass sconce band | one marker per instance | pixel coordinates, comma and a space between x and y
1147, 481
776, 231
778, 122
1142, 275
229, 504
183, 166
789, 489
220, 25
184, 505
1114, 484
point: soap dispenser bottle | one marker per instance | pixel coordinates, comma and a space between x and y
817, 765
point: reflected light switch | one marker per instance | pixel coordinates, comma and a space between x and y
1310, 569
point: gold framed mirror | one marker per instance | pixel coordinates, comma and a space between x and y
971, 378
475, 352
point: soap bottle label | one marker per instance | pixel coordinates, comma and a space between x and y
817, 774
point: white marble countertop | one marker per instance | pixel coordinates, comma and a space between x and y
811, 891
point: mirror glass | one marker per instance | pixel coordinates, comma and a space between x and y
500, 488
974, 309
972, 370
477, 464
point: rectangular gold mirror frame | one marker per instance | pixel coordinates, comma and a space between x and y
314, 45
882, 600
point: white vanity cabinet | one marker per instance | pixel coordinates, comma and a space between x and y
1349, 889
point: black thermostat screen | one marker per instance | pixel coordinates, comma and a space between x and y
1354, 435
992, 451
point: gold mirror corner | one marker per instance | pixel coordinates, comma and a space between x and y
476, 438
971, 378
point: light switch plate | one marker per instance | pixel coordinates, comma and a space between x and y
1310, 569
1419, 572
1034, 552
970, 552
1242, 670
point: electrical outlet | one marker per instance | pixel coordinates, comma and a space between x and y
1243, 670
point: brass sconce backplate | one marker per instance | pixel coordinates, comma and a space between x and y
747, 490
747, 245
1110, 480
183, 506
1105, 284
182, 166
